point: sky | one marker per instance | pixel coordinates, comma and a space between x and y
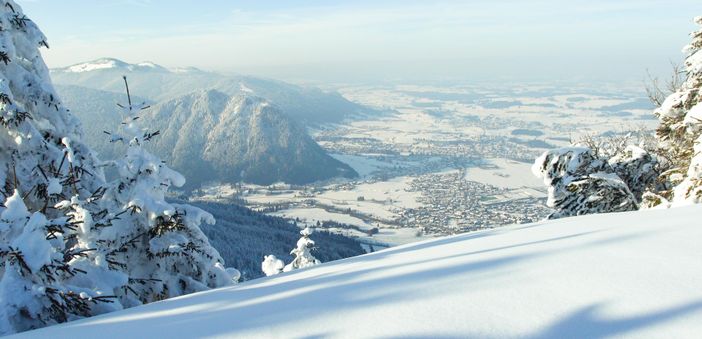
376, 40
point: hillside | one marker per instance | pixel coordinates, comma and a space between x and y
634, 274
243, 237
305, 105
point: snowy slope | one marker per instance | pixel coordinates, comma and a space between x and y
636, 274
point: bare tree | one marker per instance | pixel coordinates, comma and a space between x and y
657, 90
615, 144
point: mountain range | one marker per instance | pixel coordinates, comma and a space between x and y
306, 105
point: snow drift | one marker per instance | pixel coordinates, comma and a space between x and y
634, 274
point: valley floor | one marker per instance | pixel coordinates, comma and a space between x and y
635, 274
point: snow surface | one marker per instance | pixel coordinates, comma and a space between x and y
363, 165
54, 186
390, 194
504, 173
310, 216
634, 274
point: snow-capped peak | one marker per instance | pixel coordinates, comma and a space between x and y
245, 88
95, 65
184, 70
111, 63
148, 64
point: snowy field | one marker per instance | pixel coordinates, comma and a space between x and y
394, 192
504, 173
630, 275
378, 200
366, 205
310, 216
363, 165
439, 113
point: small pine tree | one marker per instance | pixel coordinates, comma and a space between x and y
680, 133
301, 253
271, 265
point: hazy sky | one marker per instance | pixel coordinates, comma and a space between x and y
375, 39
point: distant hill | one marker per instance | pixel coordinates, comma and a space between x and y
305, 105
211, 136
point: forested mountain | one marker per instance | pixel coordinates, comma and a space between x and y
211, 136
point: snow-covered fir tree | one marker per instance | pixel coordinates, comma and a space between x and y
45, 274
271, 265
302, 255
159, 245
72, 245
581, 182
680, 133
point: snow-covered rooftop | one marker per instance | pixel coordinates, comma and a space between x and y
635, 274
